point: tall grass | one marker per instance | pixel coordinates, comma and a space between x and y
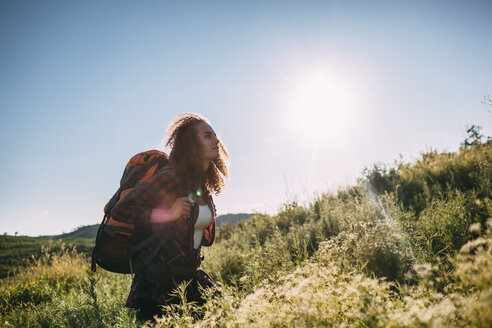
58, 290
408, 246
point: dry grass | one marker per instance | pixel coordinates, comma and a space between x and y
322, 294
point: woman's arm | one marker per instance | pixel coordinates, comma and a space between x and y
181, 208
151, 201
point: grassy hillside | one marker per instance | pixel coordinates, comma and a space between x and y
408, 246
19, 251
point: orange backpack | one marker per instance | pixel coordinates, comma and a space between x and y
115, 242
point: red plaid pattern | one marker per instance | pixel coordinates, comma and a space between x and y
159, 192
136, 207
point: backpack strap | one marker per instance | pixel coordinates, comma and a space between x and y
145, 261
99, 231
156, 250
132, 250
135, 252
112, 230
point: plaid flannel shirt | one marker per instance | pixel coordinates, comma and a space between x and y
136, 207
161, 192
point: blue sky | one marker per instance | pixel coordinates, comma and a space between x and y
305, 94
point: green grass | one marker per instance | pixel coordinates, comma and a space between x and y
17, 252
409, 246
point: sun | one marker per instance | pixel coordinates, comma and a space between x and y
320, 105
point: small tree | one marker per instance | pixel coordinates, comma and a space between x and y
474, 136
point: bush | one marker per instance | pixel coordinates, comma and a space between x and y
372, 248
434, 176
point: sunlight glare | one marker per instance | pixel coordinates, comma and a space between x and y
320, 106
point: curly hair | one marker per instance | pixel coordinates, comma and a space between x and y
186, 148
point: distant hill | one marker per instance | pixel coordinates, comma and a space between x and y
231, 219
16, 251
90, 231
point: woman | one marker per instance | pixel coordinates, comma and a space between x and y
176, 206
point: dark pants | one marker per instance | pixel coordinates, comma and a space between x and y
147, 308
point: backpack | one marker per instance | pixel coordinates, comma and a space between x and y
115, 241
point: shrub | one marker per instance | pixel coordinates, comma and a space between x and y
434, 176
371, 247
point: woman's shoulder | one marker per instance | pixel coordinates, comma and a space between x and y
167, 176
169, 169
165, 181
167, 172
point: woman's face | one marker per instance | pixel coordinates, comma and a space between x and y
208, 141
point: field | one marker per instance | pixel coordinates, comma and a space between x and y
18, 252
410, 245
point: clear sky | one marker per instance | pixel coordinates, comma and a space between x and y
304, 94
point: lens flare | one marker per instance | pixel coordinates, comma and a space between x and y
192, 197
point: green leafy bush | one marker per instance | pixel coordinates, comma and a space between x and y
434, 176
